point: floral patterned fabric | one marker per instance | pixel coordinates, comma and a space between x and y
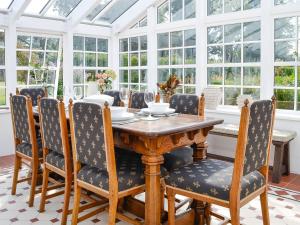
213, 178
34, 93
178, 158
51, 125
137, 100
185, 103
26, 148
20, 118
130, 173
116, 95
56, 159
258, 135
89, 135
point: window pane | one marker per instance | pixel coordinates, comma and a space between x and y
62, 7
190, 76
282, 2
51, 59
22, 58
51, 75
252, 52
2, 96
285, 27
134, 59
78, 59
163, 13
214, 7
189, 9
143, 59
214, 76
232, 53
143, 22
190, 56
190, 37
251, 4
252, 31
285, 51
163, 75
102, 45
123, 76
253, 92
90, 44
284, 98
298, 102
2, 56
124, 45
232, 33
232, 75
90, 59
38, 43
22, 77
178, 72
102, 59
78, 43
123, 59
232, 5
215, 54
163, 57
37, 58
189, 90
134, 44
2, 39
134, 76
163, 40
176, 39
23, 42
2, 77
284, 76
215, 35
143, 42
230, 95
52, 44
90, 75
176, 10
143, 76
176, 56
251, 76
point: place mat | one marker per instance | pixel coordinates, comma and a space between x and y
125, 122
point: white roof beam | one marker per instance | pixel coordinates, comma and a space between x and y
81, 11
17, 9
108, 7
132, 14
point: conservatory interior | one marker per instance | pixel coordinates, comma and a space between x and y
150, 112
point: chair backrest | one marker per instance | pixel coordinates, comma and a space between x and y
20, 118
50, 124
137, 100
34, 93
88, 138
116, 95
260, 125
185, 103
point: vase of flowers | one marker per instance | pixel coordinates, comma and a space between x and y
168, 88
105, 80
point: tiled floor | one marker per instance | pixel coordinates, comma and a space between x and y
284, 204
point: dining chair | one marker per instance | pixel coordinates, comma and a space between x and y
231, 185
33, 93
28, 149
57, 155
116, 95
96, 168
136, 100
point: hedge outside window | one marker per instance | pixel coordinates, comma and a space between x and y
175, 10
176, 54
233, 59
225, 6
38, 61
133, 63
287, 62
2, 69
90, 56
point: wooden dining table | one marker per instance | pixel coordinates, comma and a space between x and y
152, 139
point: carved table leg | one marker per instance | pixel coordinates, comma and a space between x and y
153, 189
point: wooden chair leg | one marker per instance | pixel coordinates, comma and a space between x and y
16, 174
171, 206
112, 214
76, 204
44, 189
235, 215
68, 188
35, 168
265, 208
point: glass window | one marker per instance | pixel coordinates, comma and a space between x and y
226, 6
163, 14
4, 4
176, 10
189, 9
283, 2
62, 7
2, 69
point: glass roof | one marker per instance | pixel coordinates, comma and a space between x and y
116, 10
4, 4
62, 7
97, 9
36, 6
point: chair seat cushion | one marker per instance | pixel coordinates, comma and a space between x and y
26, 148
178, 158
213, 178
56, 159
130, 172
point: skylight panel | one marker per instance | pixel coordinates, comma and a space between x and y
62, 8
97, 10
35, 6
118, 8
4, 4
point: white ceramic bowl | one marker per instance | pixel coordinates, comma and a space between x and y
159, 107
117, 111
99, 99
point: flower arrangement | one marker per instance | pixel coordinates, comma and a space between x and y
169, 87
105, 79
